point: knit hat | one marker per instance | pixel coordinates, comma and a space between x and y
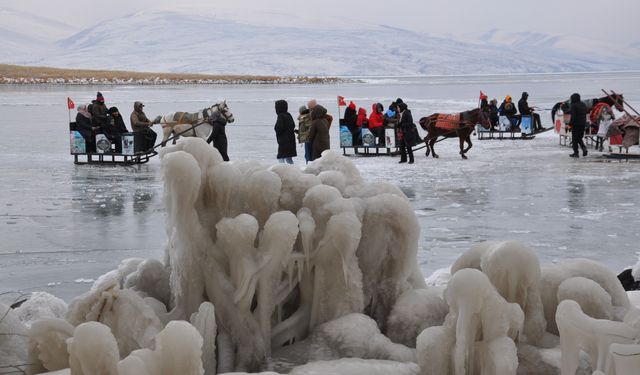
507, 98
99, 97
302, 109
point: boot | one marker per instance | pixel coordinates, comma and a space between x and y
402, 161
411, 159
574, 155
584, 152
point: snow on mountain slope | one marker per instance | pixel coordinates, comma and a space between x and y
186, 39
24, 34
566, 46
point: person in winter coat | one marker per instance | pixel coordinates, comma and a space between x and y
99, 113
219, 136
493, 113
311, 104
578, 123
351, 121
116, 121
304, 125
525, 110
361, 122
285, 134
116, 127
319, 132
509, 110
407, 128
376, 122
141, 124
85, 128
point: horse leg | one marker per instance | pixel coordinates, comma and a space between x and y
468, 140
165, 135
426, 143
175, 138
433, 150
461, 140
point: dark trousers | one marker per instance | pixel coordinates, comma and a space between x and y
404, 150
536, 121
577, 135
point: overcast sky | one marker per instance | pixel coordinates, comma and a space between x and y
611, 20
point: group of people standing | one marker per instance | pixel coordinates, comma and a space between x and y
314, 123
509, 110
96, 118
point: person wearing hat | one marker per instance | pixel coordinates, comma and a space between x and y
141, 124
509, 110
285, 133
99, 113
525, 110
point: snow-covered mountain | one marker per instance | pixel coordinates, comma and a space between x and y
23, 34
276, 43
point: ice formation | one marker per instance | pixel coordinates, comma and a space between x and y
41, 305
479, 331
594, 336
514, 270
554, 274
315, 271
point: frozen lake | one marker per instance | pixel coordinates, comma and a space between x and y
64, 225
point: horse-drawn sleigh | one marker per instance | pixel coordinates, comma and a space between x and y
130, 148
617, 138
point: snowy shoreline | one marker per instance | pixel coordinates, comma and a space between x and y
161, 81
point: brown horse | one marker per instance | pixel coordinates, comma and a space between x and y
461, 127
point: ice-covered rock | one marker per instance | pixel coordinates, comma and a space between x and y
132, 321
415, 311
93, 350
579, 331
41, 305
150, 279
479, 331
13, 341
593, 300
554, 274
513, 268
356, 366
48, 344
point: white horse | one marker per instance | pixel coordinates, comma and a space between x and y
198, 124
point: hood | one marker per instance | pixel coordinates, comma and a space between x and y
507, 98
138, 106
303, 110
377, 108
362, 112
525, 95
113, 110
281, 106
318, 112
575, 98
352, 105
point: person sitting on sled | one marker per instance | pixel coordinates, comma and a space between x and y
525, 110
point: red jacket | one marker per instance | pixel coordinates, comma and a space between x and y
362, 117
375, 118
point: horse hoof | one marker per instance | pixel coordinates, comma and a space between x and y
436, 156
464, 156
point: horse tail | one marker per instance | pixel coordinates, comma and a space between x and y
554, 110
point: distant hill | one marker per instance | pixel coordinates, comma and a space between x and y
192, 41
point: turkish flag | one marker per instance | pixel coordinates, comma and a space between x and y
341, 101
70, 103
483, 95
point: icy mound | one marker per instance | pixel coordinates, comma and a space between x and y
270, 268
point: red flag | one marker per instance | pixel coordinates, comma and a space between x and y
483, 95
341, 101
70, 103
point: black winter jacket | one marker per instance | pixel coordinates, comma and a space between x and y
284, 129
